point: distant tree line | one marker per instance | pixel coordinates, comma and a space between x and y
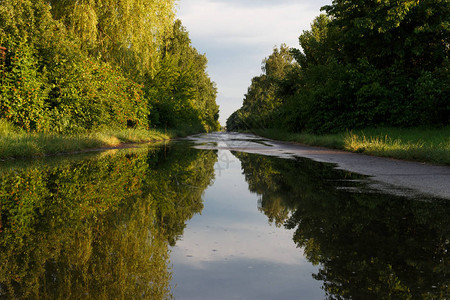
362, 64
80, 65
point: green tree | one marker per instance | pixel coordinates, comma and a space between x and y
50, 84
261, 102
365, 64
181, 92
126, 33
75, 66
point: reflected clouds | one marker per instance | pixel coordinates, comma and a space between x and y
244, 241
229, 249
231, 227
230, 280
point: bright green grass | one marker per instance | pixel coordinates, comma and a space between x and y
15, 143
419, 144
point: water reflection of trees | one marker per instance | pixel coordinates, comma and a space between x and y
100, 227
368, 245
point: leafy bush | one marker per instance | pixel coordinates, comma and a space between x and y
62, 75
23, 90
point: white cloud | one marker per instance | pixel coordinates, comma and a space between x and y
237, 35
238, 242
220, 22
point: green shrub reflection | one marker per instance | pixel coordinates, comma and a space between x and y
98, 228
368, 245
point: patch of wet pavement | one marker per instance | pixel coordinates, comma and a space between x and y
391, 175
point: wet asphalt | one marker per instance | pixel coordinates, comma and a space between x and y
391, 175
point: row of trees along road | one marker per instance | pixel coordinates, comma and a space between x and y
79, 65
362, 64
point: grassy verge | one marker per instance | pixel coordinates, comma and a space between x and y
418, 144
15, 143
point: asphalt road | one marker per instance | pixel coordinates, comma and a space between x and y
391, 175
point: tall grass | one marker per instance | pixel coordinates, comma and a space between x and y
15, 143
419, 144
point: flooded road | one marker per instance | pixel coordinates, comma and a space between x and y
232, 250
217, 216
412, 178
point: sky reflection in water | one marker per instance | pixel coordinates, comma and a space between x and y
340, 237
100, 226
231, 251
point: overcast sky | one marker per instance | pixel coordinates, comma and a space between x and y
236, 35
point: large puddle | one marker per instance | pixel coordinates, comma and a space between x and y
212, 218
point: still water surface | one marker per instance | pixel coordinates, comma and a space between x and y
194, 220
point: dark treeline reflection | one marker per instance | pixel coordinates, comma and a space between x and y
368, 245
98, 228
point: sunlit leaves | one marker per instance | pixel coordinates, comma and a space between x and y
181, 92
127, 33
86, 63
23, 90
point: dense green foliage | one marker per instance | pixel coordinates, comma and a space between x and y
367, 245
182, 95
74, 66
126, 33
362, 64
97, 227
